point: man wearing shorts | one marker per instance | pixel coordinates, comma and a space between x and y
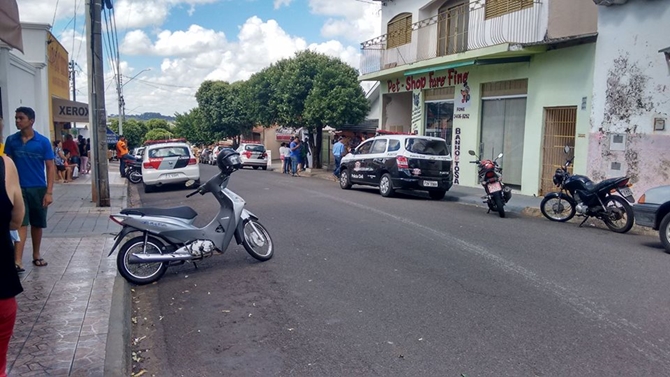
31, 153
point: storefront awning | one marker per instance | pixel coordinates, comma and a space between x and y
67, 111
515, 59
112, 137
10, 25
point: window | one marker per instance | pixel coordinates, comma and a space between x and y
427, 146
394, 145
364, 148
379, 146
254, 148
497, 8
399, 30
169, 152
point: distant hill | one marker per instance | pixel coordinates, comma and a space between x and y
146, 116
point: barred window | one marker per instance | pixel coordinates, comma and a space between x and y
399, 30
497, 8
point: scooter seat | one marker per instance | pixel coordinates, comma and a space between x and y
183, 212
595, 187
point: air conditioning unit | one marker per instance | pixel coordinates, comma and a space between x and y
608, 3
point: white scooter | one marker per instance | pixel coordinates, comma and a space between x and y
168, 235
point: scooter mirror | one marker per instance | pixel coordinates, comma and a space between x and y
190, 183
471, 152
566, 149
500, 155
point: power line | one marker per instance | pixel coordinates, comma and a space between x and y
55, 11
157, 83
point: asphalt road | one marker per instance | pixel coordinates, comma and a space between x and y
366, 285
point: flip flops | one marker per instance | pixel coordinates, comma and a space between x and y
39, 262
19, 268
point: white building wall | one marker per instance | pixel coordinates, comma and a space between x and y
25, 82
631, 89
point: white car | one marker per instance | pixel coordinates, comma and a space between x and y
166, 163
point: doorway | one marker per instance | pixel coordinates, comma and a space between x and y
440, 119
560, 126
503, 128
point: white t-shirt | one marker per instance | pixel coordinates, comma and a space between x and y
285, 151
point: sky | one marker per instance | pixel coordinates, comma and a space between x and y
167, 48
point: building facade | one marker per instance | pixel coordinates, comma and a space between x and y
495, 76
631, 94
38, 78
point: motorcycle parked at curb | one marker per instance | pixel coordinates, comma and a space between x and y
580, 196
134, 171
168, 236
490, 176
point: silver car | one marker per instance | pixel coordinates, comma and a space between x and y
653, 210
253, 155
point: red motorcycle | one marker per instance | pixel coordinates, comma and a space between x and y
490, 176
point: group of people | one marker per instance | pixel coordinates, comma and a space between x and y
71, 158
25, 194
294, 156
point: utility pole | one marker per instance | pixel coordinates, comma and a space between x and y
74, 87
96, 99
119, 90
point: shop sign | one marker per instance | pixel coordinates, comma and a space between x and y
416, 111
462, 101
429, 81
457, 155
284, 133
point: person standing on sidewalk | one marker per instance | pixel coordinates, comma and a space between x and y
11, 216
295, 156
32, 153
338, 152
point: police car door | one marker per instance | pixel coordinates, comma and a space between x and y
360, 162
376, 161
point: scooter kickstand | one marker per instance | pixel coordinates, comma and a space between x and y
586, 218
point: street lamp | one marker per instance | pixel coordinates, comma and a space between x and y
122, 102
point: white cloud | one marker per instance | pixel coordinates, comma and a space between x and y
279, 3
192, 41
129, 13
353, 20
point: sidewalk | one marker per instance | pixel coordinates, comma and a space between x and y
63, 318
529, 205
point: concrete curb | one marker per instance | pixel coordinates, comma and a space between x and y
117, 350
117, 355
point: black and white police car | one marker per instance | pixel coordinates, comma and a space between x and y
400, 162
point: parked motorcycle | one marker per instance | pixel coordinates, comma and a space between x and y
490, 176
169, 237
583, 197
134, 171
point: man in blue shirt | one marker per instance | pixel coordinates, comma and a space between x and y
295, 155
32, 153
338, 152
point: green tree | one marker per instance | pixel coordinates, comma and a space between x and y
217, 103
152, 124
158, 134
134, 131
191, 127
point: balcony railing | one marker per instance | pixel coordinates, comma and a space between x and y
457, 29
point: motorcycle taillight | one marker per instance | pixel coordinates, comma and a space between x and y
490, 174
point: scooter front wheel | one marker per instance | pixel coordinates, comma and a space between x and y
140, 273
257, 241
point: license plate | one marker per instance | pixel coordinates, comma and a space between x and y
625, 191
494, 187
174, 175
430, 183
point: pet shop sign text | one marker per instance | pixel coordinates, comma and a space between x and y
430, 81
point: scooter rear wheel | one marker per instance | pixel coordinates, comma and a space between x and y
257, 241
142, 273
499, 206
135, 177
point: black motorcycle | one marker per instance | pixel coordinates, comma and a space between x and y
134, 171
583, 197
